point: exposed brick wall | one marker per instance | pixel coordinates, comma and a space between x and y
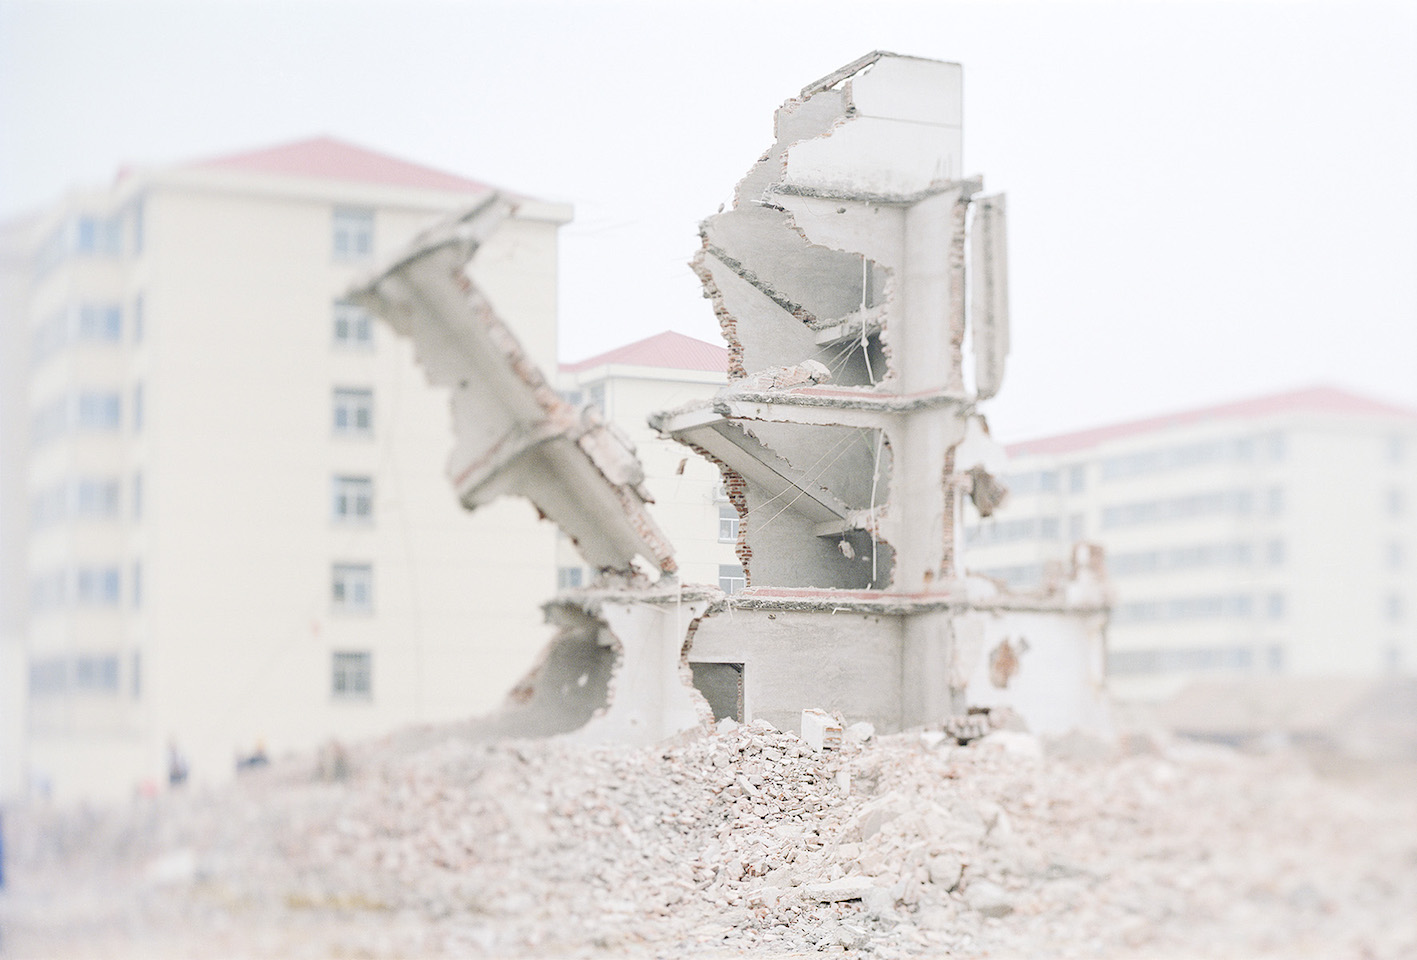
727, 323
737, 489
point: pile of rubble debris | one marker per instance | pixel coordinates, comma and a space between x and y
744, 841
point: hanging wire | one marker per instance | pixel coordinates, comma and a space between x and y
865, 348
875, 477
860, 433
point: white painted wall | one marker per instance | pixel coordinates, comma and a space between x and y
1335, 576
236, 628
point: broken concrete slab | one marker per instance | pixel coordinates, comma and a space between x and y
514, 434
835, 891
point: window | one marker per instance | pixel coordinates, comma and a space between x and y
96, 674
354, 412
49, 506
1032, 481
137, 584
50, 421
352, 587
137, 408
1206, 607
99, 411
1275, 445
353, 498
568, 578
1275, 552
351, 674
48, 676
1395, 555
1239, 502
1396, 449
96, 587
1275, 606
1395, 504
101, 321
96, 499
728, 521
136, 213
595, 396
1276, 659
353, 326
49, 592
1077, 527
1274, 501
573, 397
1134, 662
138, 319
1018, 575
137, 495
135, 674
731, 578
353, 233
1077, 478
1394, 607
49, 337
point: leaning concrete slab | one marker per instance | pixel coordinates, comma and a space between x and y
514, 433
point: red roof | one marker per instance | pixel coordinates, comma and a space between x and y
326, 158
668, 350
1310, 400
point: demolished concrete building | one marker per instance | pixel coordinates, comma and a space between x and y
848, 437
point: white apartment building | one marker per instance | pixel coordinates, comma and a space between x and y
629, 383
225, 518
1276, 535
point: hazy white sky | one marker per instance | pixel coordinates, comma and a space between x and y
1207, 201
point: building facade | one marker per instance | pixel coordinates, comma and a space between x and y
226, 521
629, 383
1273, 536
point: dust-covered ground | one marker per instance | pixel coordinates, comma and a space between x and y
742, 842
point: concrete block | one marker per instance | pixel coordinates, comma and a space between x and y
820, 730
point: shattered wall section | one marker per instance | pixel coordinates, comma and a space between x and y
845, 251
514, 434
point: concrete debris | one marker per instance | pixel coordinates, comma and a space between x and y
821, 730
734, 843
834, 891
989, 899
514, 433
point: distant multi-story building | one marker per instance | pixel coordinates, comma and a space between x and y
1270, 536
225, 520
629, 383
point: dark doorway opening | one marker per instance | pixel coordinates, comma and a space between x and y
722, 686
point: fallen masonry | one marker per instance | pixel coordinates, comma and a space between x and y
745, 841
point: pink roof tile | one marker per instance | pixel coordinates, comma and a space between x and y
1309, 400
669, 350
329, 159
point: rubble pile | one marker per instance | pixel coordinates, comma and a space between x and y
745, 841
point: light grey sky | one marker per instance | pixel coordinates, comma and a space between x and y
1207, 201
